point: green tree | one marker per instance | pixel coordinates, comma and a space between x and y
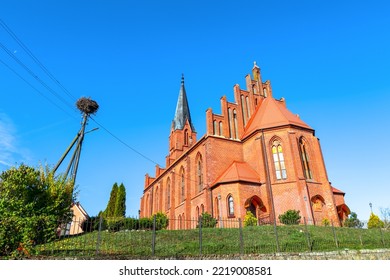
353, 221
290, 217
120, 203
110, 209
250, 219
375, 222
33, 202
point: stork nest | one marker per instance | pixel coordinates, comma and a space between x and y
87, 105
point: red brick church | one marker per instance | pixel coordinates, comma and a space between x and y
256, 156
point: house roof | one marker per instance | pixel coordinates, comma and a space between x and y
238, 171
272, 113
80, 208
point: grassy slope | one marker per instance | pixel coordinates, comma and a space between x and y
216, 241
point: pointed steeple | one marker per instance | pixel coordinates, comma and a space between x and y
182, 113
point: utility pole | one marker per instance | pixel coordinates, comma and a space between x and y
86, 107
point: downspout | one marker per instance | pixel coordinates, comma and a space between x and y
271, 197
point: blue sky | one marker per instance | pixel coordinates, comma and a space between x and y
329, 59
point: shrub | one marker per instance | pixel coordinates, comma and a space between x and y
115, 224
32, 202
208, 221
145, 223
290, 217
375, 222
131, 224
325, 222
161, 220
250, 219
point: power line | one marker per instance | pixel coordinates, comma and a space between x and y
123, 142
35, 76
27, 50
51, 76
34, 88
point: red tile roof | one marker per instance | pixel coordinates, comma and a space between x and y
337, 190
272, 113
238, 171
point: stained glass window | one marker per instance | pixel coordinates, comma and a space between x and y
280, 167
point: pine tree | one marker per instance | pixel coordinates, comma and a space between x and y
116, 206
110, 209
120, 204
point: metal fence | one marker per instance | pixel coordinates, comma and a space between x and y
146, 238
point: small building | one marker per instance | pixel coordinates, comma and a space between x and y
256, 156
75, 226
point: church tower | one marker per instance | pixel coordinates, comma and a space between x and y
183, 134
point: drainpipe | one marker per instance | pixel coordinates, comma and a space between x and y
271, 197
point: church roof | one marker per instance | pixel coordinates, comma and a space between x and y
238, 171
182, 113
334, 190
272, 113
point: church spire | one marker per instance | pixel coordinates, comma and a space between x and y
182, 113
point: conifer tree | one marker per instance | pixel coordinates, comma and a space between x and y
110, 209
120, 204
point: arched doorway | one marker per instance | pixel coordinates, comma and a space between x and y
256, 206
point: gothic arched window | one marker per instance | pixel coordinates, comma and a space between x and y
186, 137
230, 202
235, 124
182, 185
280, 167
168, 196
157, 199
199, 174
305, 159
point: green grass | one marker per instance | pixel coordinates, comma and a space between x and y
215, 241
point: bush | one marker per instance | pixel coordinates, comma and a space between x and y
115, 224
207, 220
325, 222
250, 219
161, 220
145, 223
375, 222
290, 217
32, 204
131, 224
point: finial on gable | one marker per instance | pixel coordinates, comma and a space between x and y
256, 72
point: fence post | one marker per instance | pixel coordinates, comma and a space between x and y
200, 236
335, 236
99, 235
307, 236
154, 235
241, 237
